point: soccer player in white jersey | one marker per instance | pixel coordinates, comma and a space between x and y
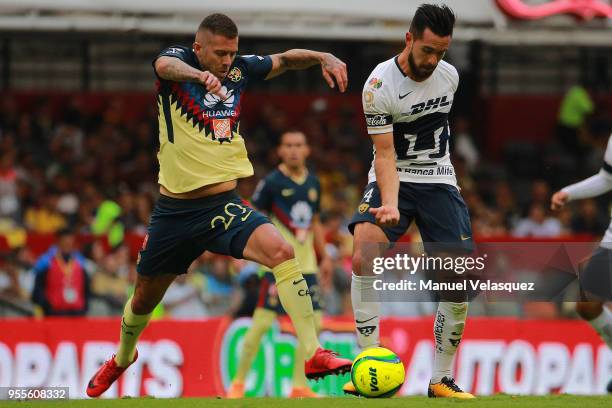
406, 101
596, 279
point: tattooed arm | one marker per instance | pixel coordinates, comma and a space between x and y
173, 69
332, 68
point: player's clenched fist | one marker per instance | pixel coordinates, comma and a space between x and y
558, 200
386, 216
212, 84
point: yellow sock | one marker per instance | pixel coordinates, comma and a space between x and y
262, 320
131, 327
299, 379
295, 298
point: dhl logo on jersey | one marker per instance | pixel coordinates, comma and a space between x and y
430, 104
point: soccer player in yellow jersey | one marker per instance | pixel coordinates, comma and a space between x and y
291, 195
202, 153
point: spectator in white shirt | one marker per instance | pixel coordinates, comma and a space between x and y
538, 224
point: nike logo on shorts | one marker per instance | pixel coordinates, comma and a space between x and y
365, 321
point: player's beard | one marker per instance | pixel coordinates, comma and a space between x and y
419, 73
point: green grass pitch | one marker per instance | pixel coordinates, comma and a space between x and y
565, 401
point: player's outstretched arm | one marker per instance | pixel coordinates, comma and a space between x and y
332, 68
173, 69
594, 186
386, 178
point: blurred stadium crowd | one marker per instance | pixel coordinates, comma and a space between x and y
95, 174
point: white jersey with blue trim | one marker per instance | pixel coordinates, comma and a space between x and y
594, 186
417, 115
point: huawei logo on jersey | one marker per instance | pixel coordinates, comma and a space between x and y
211, 101
585, 9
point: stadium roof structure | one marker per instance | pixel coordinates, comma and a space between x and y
385, 20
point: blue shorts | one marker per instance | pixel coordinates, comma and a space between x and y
438, 210
268, 295
181, 230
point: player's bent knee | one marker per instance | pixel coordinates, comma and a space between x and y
589, 310
363, 261
281, 252
357, 261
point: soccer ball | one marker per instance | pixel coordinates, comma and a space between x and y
377, 373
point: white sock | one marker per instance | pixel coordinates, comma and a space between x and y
603, 326
367, 313
448, 329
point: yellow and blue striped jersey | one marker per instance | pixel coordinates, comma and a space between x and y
199, 134
292, 205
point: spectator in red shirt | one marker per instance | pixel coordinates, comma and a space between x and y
61, 285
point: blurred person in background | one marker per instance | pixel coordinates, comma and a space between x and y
44, 217
596, 278
10, 287
110, 277
339, 243
9, 203
489, 223
201, 157
540, 193
107, 223
538, 224
565, 217
246, 294
575, 108
506, 203
183, 299
61, 285
588, 219
68, 200
215, 282
291, 195
16, 282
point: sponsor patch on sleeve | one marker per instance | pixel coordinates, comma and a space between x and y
375, 83
378, 120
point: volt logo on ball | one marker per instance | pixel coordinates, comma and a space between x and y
373, 380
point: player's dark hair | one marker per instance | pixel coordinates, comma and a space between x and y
440, 19
219, 24
292, 130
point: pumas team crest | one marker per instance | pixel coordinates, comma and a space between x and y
363, 208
